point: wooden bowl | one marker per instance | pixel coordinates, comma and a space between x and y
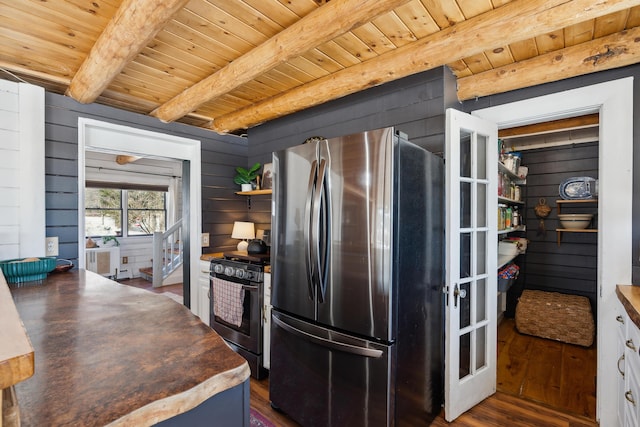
62, 268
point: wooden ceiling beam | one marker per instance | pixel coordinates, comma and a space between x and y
133, 26
122, 159
616, 50
323, 24
515, 21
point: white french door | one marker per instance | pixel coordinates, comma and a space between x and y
471, 261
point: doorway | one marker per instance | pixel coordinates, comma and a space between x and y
550, 371
107, 137
614, 103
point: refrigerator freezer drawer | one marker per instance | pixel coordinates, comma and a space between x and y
320, 377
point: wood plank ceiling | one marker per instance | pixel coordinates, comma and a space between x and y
227, 65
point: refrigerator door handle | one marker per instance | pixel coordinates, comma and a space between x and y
324, 342
308, 247
315, 223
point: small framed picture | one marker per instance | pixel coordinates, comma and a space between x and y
267, 178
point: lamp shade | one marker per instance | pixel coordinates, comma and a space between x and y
245, 231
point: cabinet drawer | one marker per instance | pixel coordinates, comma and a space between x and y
632, 373
632, 393
632, 343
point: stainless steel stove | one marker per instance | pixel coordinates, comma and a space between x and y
236, 289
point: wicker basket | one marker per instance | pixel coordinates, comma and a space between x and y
556, 316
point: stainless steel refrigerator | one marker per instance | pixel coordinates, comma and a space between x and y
357, 274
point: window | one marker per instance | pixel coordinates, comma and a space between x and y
144, 210
103, 212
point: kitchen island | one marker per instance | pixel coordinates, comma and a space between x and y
109, 354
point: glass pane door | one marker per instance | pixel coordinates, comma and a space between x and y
471, 159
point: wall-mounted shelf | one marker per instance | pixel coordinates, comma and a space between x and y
253, 193
559, 204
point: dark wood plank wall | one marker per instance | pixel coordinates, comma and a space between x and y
220, 154
576, 82
414, 105
570, 268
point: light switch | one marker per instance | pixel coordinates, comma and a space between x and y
205, 240
51, 246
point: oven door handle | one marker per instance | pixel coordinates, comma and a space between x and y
245, 287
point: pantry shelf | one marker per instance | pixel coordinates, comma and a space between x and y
559, 232
510, 201
502, 168
505, 259
512, 229
569, 202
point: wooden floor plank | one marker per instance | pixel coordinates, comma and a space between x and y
498, 410
552, 373
512, 364
579, 380
542, 382
145, 284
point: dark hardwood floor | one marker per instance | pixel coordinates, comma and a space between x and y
145, 284
499, 410
540, 382
555, 374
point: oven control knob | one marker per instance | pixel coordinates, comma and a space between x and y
228, 271
240, 273
218, 268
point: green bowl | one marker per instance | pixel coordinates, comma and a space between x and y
19, 271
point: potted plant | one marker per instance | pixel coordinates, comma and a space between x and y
246, 177
108, 241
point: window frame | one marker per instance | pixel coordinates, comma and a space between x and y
124, 207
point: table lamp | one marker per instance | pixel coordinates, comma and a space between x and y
243, 230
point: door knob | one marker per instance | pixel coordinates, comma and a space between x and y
457, 292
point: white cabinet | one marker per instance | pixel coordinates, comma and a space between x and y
628, 370
266, 322
104, 261
203, 303
632, 373
621, 333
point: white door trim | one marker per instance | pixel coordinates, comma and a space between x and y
104, 136
614, 101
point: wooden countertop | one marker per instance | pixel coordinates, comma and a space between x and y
209, 257
16, 351
109, 354
629, 296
